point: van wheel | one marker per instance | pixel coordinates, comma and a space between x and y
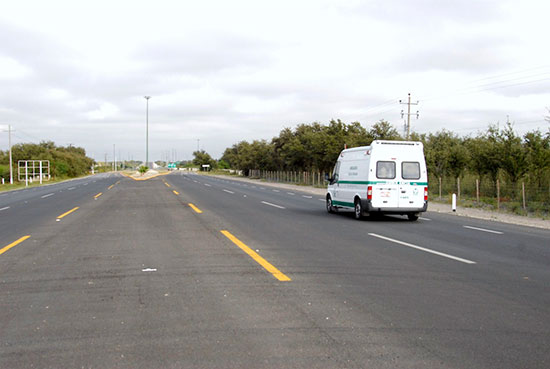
358, 210
412, 217
330, 208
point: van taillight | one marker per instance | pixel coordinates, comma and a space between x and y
425, 193
369, 193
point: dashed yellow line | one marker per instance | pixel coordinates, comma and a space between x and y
111, 186
176, 192
99, 194
167, 185
197, 210
67, 213
13, 244
257, 258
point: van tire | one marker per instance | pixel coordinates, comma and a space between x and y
330, 208
358, 209
412, 217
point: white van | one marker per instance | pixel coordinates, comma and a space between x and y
385, 177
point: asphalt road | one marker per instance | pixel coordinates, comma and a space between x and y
199, 272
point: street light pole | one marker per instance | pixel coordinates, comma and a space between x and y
147, 132
9, 144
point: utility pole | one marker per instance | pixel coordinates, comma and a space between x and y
9, 145
114, 159
408, 131
147, 132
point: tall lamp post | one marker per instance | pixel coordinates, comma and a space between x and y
147, 132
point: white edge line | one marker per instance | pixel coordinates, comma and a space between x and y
483, 230
48, 195
421, 218
307, 197
466, 261
231, 192
275, 190
6, 208
206, 184
275, 206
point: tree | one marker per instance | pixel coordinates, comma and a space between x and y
538, 154
203, 158
512, 154
383, 130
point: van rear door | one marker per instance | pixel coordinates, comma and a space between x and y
385, 190
411, 189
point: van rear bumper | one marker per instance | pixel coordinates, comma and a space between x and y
368, 208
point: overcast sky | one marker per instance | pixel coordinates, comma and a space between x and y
75, 72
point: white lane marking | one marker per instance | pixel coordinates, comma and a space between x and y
6, 208
307, 197
71, 188
85, 184
421, 218
483, 230
423, 249
195, 181
291, 193
207, 185
275, 190
48, 195
231, 192
275, 206
323, 200
149, 270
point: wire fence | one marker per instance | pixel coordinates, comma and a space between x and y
313, 178
523, 197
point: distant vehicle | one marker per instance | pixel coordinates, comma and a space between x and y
387, 177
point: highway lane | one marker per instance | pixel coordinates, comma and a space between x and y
501, 301
144, 277
142, 280
24, 209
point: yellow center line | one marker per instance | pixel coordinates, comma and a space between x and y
13, 244
176, 192
67, 213
269, 267
167, 185
99, 194
111, 186
197, 210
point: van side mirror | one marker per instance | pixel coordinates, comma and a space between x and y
327, 177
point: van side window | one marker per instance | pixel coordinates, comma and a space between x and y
336, 171
410, 170
385, 169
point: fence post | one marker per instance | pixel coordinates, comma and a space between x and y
439, 188
458, 187
477, 191
498, 194
523, 194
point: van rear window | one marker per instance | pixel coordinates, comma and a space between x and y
385, 169
410, 170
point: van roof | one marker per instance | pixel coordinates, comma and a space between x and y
384, 142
